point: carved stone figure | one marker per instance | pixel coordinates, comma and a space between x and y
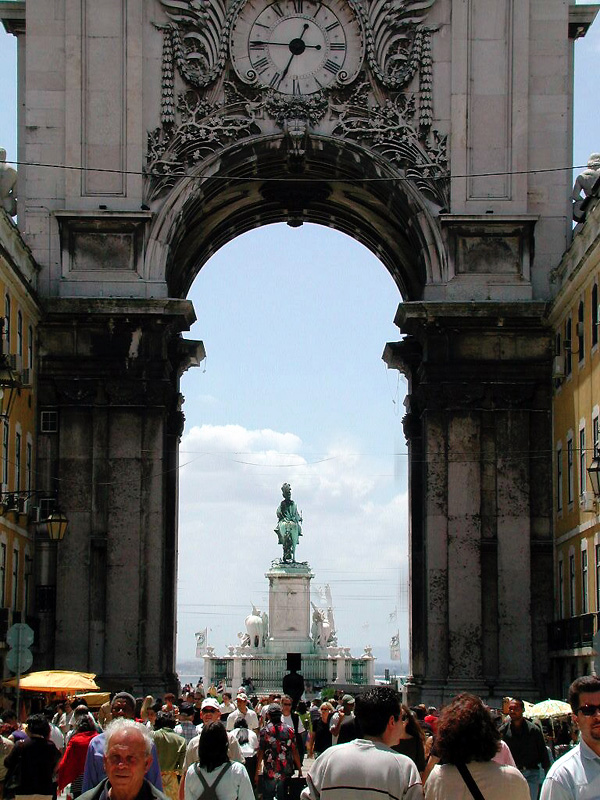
587, 183
288, 528
254, 627
265, 634
321, 632
8, 185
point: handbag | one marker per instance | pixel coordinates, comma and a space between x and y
469, 780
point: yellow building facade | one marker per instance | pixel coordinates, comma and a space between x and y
20, 312
576, 439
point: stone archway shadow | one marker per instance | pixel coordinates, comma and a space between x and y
336, 184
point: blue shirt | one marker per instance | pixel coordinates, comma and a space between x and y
575, 776
94, 765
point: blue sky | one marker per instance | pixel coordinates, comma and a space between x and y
293, 389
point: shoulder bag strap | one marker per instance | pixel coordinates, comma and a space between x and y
200, 777
469, 780
220, 775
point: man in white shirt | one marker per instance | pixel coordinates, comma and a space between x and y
368, 768
243, 711
576, 775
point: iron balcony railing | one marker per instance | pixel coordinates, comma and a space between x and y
574, 632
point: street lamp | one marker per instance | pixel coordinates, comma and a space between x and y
57, 525
594, 472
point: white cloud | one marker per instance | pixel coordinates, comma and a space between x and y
355, 531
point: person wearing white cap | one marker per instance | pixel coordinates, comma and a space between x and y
211, 712
243, 711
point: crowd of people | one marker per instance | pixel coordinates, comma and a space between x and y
220, 747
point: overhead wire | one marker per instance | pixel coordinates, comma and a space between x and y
299, 179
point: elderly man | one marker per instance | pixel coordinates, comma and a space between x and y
127, 758
577, 773
211, 712
368, 768
122, 707
243, 711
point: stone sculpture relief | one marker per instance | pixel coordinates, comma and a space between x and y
257, 629
8, 185
213, 108
586, 184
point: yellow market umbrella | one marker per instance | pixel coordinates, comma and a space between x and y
549, 708
94, 699
57, 680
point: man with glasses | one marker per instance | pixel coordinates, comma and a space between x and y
243, 710
293, 721
577, 773
526, 743
211, 712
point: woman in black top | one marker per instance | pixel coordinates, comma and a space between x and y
412, 739
321, 735
31, 764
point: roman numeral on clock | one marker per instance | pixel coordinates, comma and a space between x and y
331, 66
337, 46
298, 6
276, 8
261, 65
333, 25
275, 80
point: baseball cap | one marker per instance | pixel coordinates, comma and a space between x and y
241, 696
210, 702
347, 698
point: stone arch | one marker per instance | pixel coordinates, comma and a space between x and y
336, 183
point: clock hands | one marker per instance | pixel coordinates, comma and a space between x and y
258, 42
297, 47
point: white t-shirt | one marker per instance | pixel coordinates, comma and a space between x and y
249, 716
367, 770
290, 723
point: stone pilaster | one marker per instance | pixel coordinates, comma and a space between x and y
110, 370
480, 498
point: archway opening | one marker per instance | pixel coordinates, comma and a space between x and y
293, 389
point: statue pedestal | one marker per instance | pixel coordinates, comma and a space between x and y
289, 608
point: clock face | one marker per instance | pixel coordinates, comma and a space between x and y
297, 47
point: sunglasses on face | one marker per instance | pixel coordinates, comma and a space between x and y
589, 709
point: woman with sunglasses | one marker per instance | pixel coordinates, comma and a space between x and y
412, 739
320, 739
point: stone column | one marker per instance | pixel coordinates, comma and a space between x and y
479, 437
110, 370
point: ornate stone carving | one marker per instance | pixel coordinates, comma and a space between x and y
393, 130
8, 185
203, 128
194, 125
587, 184
397, 42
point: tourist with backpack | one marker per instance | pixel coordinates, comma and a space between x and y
214, 776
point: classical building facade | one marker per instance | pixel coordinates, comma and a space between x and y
576, 442
154, 131
18, 426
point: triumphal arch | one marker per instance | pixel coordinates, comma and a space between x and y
437, 133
